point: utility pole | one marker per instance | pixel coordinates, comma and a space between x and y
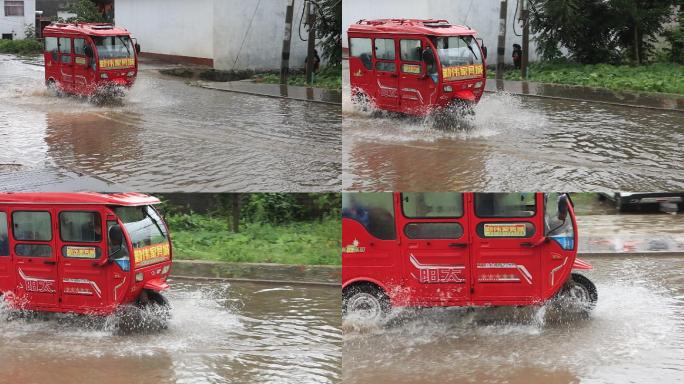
287, 38
501, 46
311, 21
525, 17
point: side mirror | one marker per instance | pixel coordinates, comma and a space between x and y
483, 48
116, 239
428, 56
137, 48
563, 207
88, 51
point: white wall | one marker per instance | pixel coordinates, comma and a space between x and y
481, 15
17, 24
262, 41
171, 27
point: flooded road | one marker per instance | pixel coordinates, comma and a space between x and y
219, 333
169, 136
635, 334
516, 143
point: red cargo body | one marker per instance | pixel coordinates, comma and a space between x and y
459, 249
59, 253
82, 58
388, 66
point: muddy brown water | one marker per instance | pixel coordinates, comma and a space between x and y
635, 334
168, 135
219, 333
516, 143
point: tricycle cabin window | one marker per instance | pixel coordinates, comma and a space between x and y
433, 231
410, 50
143, 224
384, 49
505, 204
32, 225
559, 229
79, 47
361, 48
432, 204
80, 227
52, 47
65, 49
457, 50
4, 235
373, 210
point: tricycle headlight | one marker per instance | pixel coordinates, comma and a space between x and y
165, 270
139, 277
104, 76
448, 88
130, 74
478, 84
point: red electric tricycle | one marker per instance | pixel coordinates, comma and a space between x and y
89, 58
433, 249
415, 67
83, 253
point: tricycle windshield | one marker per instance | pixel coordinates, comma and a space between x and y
457, 50
558, 229
114, 47
143, 224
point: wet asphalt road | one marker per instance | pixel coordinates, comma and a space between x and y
219, 333
167, 136
634, 335
515, 143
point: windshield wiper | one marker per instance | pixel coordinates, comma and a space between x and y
128, 51
470, 48
156, 224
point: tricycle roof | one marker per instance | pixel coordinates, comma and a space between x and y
93, 29
82, 198
432, 27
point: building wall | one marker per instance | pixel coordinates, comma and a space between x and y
259, 46
481, 15
17, 24
169, 27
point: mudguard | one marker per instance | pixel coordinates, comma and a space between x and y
581, 264
156, 285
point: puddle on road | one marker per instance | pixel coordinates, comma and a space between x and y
634, 335
168, 136
513, 142
219, 333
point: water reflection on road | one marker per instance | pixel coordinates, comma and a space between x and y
219, 333
634, 335
516, 143
170, 136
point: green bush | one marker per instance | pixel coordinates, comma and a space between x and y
204, 237
329, 77
21, 47
659, 77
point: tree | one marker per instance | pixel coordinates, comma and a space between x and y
584, 27
640, 22
86, 11
329, 27
675, 36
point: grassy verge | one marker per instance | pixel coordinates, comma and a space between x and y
21, 47
199, 237
328, 78
660, 77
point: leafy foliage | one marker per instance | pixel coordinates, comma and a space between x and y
86, 11
21, 47
599, 31
329, 30
329, 77
675, 36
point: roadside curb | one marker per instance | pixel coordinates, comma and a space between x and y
631, 254
258, 281
208, 86
258, 272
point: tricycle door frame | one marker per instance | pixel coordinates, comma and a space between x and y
417, 91
387, 94
83, 67
506, 256
6, 264
435, 251
66, 69
84, 270
37, 277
